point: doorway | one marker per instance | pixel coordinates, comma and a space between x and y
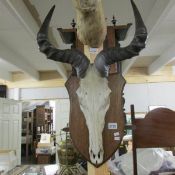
38, 121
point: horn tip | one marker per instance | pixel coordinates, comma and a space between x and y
132, 1
53, 7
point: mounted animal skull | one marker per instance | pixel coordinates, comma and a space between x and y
94, 100
91, 25
93, 92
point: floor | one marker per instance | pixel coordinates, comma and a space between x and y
28, 160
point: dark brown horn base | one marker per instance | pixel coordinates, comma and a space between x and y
72, 56
112, 55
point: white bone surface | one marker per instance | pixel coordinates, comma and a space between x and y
94, 99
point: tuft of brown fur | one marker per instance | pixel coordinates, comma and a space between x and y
91, 25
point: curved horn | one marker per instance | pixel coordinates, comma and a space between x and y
74, 57
112, 55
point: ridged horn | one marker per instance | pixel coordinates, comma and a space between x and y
72, 56
112, 55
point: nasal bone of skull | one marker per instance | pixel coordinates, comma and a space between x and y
96, 157
96, 149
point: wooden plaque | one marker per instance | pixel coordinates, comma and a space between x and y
115, 114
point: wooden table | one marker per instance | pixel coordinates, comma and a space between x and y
45, 158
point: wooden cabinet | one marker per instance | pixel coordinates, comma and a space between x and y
35, 122
45, 159
27, 131
43, 120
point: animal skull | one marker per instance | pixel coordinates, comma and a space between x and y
94, 99
93, 92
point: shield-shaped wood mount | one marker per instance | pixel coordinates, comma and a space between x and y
115, 115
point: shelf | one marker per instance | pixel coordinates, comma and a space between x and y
27, 131
128, 126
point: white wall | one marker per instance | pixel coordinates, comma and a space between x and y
144, 95
40, 93
141, 95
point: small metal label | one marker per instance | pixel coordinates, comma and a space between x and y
117, 138
116, 134
112, 125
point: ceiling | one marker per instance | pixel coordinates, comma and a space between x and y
20, 21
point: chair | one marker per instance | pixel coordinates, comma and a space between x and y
156, 130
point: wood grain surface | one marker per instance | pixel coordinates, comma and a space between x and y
157, 129
115, 114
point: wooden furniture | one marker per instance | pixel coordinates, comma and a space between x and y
155, 130
35, 122
116, 84
45, 158
43, 121
27, 131
114, 34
